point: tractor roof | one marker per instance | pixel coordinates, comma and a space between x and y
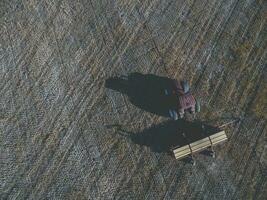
186, 101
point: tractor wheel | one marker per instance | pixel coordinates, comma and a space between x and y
166, 92
173, 114
185, 86
197, 108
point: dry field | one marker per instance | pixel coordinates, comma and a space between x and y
81, 116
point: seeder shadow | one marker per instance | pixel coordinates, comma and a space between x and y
170, 134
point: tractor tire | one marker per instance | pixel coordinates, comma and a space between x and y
175, 117
166, 92
173, 114
185, 86
197, 106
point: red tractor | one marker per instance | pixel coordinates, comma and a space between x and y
184, 100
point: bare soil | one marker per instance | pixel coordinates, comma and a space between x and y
82, 115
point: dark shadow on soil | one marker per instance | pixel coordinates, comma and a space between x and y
144, 91
165, 136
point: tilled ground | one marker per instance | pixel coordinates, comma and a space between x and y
66, 133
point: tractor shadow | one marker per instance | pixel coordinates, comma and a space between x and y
170, 134
144, 91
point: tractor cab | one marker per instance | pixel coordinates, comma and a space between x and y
184, 99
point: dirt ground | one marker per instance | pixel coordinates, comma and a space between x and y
81, 115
